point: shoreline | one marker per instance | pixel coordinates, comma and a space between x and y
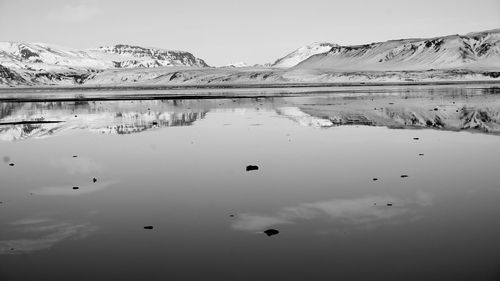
219, 91
240, 86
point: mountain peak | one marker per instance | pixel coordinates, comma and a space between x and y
41, 56
474, 50
303, 53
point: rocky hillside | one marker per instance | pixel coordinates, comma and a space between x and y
480, 50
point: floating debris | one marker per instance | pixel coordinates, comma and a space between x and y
420, 154
148, 227
416, 138
74, 156
75, 187
252, 168
155, 123
375, 179
404, 176
94, 180
389, 204
11, 164
436, 109
271, 232
231, 215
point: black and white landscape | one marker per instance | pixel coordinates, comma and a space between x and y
249, 140
470, 57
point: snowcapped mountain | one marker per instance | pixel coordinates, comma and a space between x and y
302, 54
474, 56
126, 56
479, 50
37, 56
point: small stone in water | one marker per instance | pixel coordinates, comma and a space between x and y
76, 187
271, 232
94, 180
252, 168
404, 176
148, 227
11, 164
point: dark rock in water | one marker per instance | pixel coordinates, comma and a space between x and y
416, 138
76, 115
231, 215
155, 123
391, 103
74, 156
436, 109
271, 232
94, 180
76, 187
389, 204
252, 168
11, 164
375, 179
148, 227
404, 176
420, 154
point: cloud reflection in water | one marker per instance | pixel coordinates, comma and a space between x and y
42, 234
367, 212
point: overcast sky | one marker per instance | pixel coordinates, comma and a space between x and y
226, 31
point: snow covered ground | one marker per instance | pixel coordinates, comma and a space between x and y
470, 57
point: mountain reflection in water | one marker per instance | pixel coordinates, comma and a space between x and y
467, 110
344, 182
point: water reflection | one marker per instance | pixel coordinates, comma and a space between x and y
101, 117
42, 234
475, 110
366, 212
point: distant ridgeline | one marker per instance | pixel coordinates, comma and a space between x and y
474, 56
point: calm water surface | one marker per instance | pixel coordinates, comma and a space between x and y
179, 166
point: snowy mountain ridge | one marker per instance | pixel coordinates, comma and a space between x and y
39, 56
302, 54
474, 56
479, 50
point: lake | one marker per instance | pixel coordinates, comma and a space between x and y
397, 185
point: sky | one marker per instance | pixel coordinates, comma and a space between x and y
230, 31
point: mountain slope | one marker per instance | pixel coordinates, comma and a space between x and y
302, 54
480, 50
37, 56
